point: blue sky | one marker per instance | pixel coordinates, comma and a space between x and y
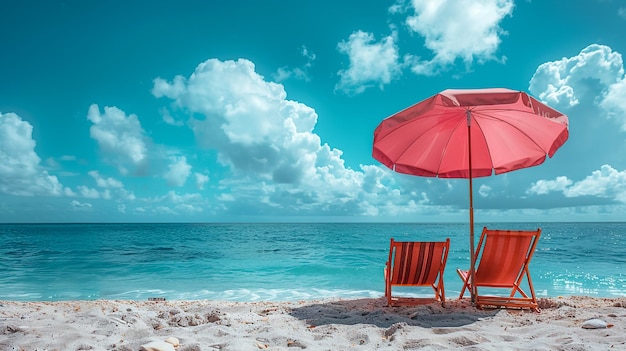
203, 111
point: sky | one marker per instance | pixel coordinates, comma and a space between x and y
264, 111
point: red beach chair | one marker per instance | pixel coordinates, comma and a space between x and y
416, 264
503, 265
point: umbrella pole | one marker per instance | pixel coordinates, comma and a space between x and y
473, 291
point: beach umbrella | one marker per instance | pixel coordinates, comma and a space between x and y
470, 133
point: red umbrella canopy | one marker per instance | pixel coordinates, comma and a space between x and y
508, 130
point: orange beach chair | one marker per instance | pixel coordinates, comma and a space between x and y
503, 265
416, 264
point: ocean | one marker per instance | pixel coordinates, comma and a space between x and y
277, 261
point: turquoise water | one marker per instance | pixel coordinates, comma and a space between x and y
276, 262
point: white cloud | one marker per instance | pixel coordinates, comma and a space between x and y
563, 83
545, 186
87, 192
284, 73
167, 118
80, 205
126, 195
382, 196
453, 29
176, 204
484, 190
164, 210
20, 169
105, 182
178, 171
121, 138
607, 182
111, 189
371, 63
201, 179
277, 163
614, 102
622, 12
400, 6
247, 119
240, 107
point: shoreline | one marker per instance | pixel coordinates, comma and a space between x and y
328, 324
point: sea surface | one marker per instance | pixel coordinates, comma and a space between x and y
277, 262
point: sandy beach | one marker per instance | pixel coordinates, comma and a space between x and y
359, 324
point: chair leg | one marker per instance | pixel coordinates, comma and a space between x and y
440, 292
465, 283
387, 286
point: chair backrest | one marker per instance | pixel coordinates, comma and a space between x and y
504, 255
417, 263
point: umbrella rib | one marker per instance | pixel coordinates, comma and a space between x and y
442, 156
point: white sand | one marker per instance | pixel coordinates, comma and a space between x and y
361, 324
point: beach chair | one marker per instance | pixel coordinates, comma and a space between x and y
502, 258
416, 264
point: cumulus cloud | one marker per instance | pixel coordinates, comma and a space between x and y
87, 192
108, 188
178, 171
255, 129
545, 186
466, 30
371, 63
178, 204
457, 29
607, 182
120, 137
105, 182
167, 118
595, 74
400, 6
201, 179
82, 206
614, 102
20, 170
277, 162
484, 190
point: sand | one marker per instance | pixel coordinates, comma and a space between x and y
358, 324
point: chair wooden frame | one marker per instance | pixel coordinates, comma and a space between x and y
503, 263
416, 264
